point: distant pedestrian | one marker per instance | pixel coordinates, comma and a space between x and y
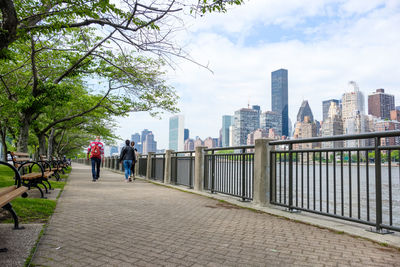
127, 157
133, 162
96, 152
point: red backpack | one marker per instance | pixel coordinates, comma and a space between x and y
96, 151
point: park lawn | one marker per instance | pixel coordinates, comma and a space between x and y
30, 210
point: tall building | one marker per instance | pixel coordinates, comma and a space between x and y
135, 138
353, 115
176, 133
333, 125
245, 121
385, 125
256, 107
149, 145
279, 97
257, 134
380, 104
186, 134
198, 142
210, 142
395, 115
304, 111
231, 135
227, 121
305, 129
113, 150
145, 132
326, 105
271, 120
189, 144
352, 103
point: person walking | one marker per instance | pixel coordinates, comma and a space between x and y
133, 162
96, 152
127, 157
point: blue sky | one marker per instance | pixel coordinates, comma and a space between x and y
323, 44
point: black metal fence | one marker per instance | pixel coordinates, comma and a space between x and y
350, 177
230, 171
157, 167
182, 168
142, 165
359, 183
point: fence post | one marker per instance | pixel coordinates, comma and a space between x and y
262, 171
149, 161
378, 184
137, 165
199, 168
167, 167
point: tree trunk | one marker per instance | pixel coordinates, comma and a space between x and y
42, 144
50, 143
3, 133
22, 145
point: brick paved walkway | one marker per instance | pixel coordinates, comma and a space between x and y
113, 223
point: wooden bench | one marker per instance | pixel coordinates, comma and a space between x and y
25, 166
52, 165
7, 194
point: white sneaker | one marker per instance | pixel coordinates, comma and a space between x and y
126, 180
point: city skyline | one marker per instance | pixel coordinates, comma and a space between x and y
322, 45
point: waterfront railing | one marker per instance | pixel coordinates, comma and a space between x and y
349, 177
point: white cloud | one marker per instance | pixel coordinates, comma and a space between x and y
360, 43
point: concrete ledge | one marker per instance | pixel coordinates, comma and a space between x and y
338, 226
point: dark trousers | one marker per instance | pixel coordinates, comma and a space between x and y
96, 167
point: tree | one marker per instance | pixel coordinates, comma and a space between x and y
137, 22
50, 48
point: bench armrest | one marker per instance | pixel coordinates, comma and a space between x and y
18, 182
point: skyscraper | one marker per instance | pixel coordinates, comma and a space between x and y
135, 138
145, 132
333, 125
279, 97
304, 111
186, 134
227, 121
326, 105
380, 104
246, 120
271, 120
149, 145
176, 133
353, 115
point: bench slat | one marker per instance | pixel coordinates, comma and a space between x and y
11, 195
5, 190
22, 159
48, 174
30, 176
20, 154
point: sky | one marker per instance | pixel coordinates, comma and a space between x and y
322, 44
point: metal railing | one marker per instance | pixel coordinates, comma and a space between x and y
230, 173
157, 166
350, 183
142, 165
182, 168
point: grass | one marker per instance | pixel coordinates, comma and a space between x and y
31, 210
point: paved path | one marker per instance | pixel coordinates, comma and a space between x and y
113, 223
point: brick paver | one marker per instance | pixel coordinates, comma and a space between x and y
113, 223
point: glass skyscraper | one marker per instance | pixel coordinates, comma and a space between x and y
176, 133
227, 121
279, 97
